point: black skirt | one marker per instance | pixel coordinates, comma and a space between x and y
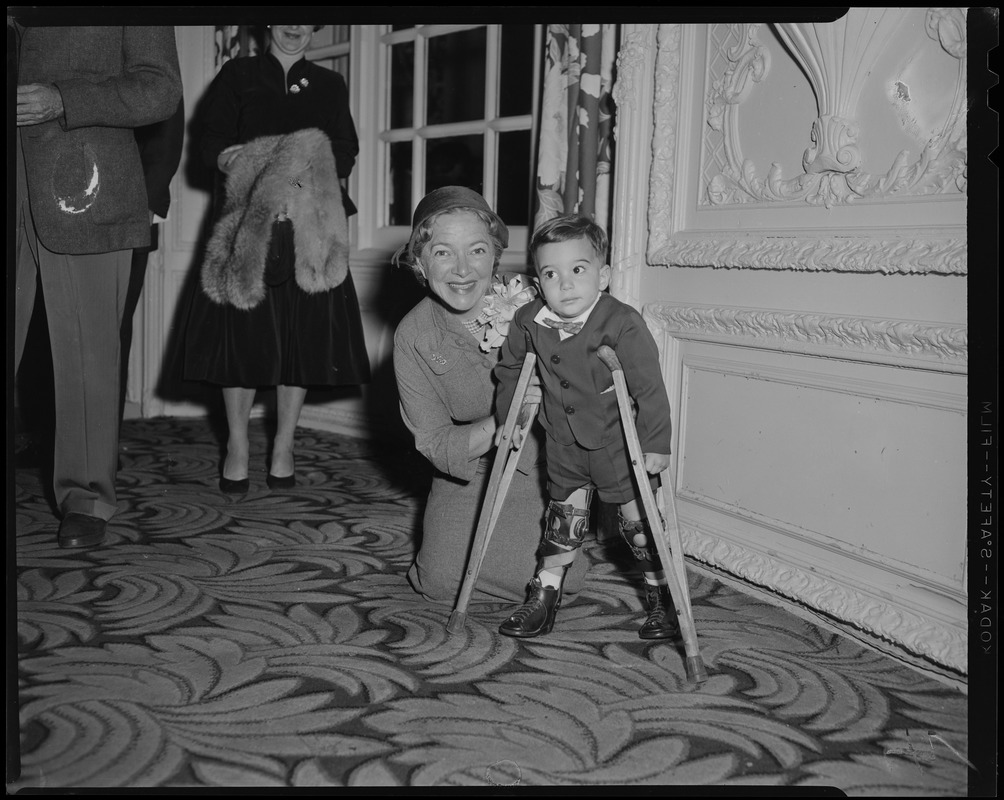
291, 338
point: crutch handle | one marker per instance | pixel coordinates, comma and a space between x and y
609, 357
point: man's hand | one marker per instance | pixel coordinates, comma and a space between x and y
656, 463
37, 103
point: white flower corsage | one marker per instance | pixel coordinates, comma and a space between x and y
500, 307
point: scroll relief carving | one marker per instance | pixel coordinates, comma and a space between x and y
838, 57
943, 343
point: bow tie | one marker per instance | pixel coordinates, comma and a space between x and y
567, 327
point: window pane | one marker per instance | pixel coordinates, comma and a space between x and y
514, 178
402, 81
455, 161
456, 90
516, 70
399, 212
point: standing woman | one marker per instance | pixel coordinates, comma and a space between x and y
277, 306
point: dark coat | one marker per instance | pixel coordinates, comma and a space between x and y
249, 99
85, 179
580, 403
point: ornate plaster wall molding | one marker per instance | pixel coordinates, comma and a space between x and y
944, 644
685, 231
632, 59
664, 136
632, 92
945, 255
941, 347
838, 57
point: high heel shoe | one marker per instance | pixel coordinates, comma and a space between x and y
241, 486
287, 482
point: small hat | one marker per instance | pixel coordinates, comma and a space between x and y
449, 197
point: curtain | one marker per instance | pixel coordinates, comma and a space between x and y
576, 127
233, 41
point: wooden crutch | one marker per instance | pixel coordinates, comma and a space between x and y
503, 469
670, 553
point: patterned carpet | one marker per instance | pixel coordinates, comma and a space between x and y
273, 641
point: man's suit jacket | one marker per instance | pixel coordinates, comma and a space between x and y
85, 179
580, 403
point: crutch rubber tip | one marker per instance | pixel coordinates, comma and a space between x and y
456, 623
696, 673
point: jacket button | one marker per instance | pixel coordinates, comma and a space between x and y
565, 384
555, 359
569, 409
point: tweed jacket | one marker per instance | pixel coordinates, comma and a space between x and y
445, 384
580, 403
85, 179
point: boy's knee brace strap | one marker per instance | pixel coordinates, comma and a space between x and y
564, 528
631, 528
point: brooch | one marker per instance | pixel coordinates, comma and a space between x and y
295, 87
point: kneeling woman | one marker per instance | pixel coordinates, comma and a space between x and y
447, 391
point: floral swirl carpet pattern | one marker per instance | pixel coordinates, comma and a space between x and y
273, 641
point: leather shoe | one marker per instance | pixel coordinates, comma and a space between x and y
241, 486
536, 616
287, 482
662, 622
81, 530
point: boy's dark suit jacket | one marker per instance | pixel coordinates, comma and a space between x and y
580, 404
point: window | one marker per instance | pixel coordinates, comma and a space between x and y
329, 48
440, 105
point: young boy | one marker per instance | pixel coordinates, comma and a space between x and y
585, 446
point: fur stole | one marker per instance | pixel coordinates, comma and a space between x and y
292, 173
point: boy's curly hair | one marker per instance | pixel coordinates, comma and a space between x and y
568, 227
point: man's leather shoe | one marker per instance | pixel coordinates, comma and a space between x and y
81, 530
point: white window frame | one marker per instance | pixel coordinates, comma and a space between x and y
369, 82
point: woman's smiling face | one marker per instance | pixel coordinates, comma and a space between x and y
458, 261
291, 39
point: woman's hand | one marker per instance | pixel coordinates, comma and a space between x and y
225, 160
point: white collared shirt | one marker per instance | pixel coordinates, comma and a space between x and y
546, 312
